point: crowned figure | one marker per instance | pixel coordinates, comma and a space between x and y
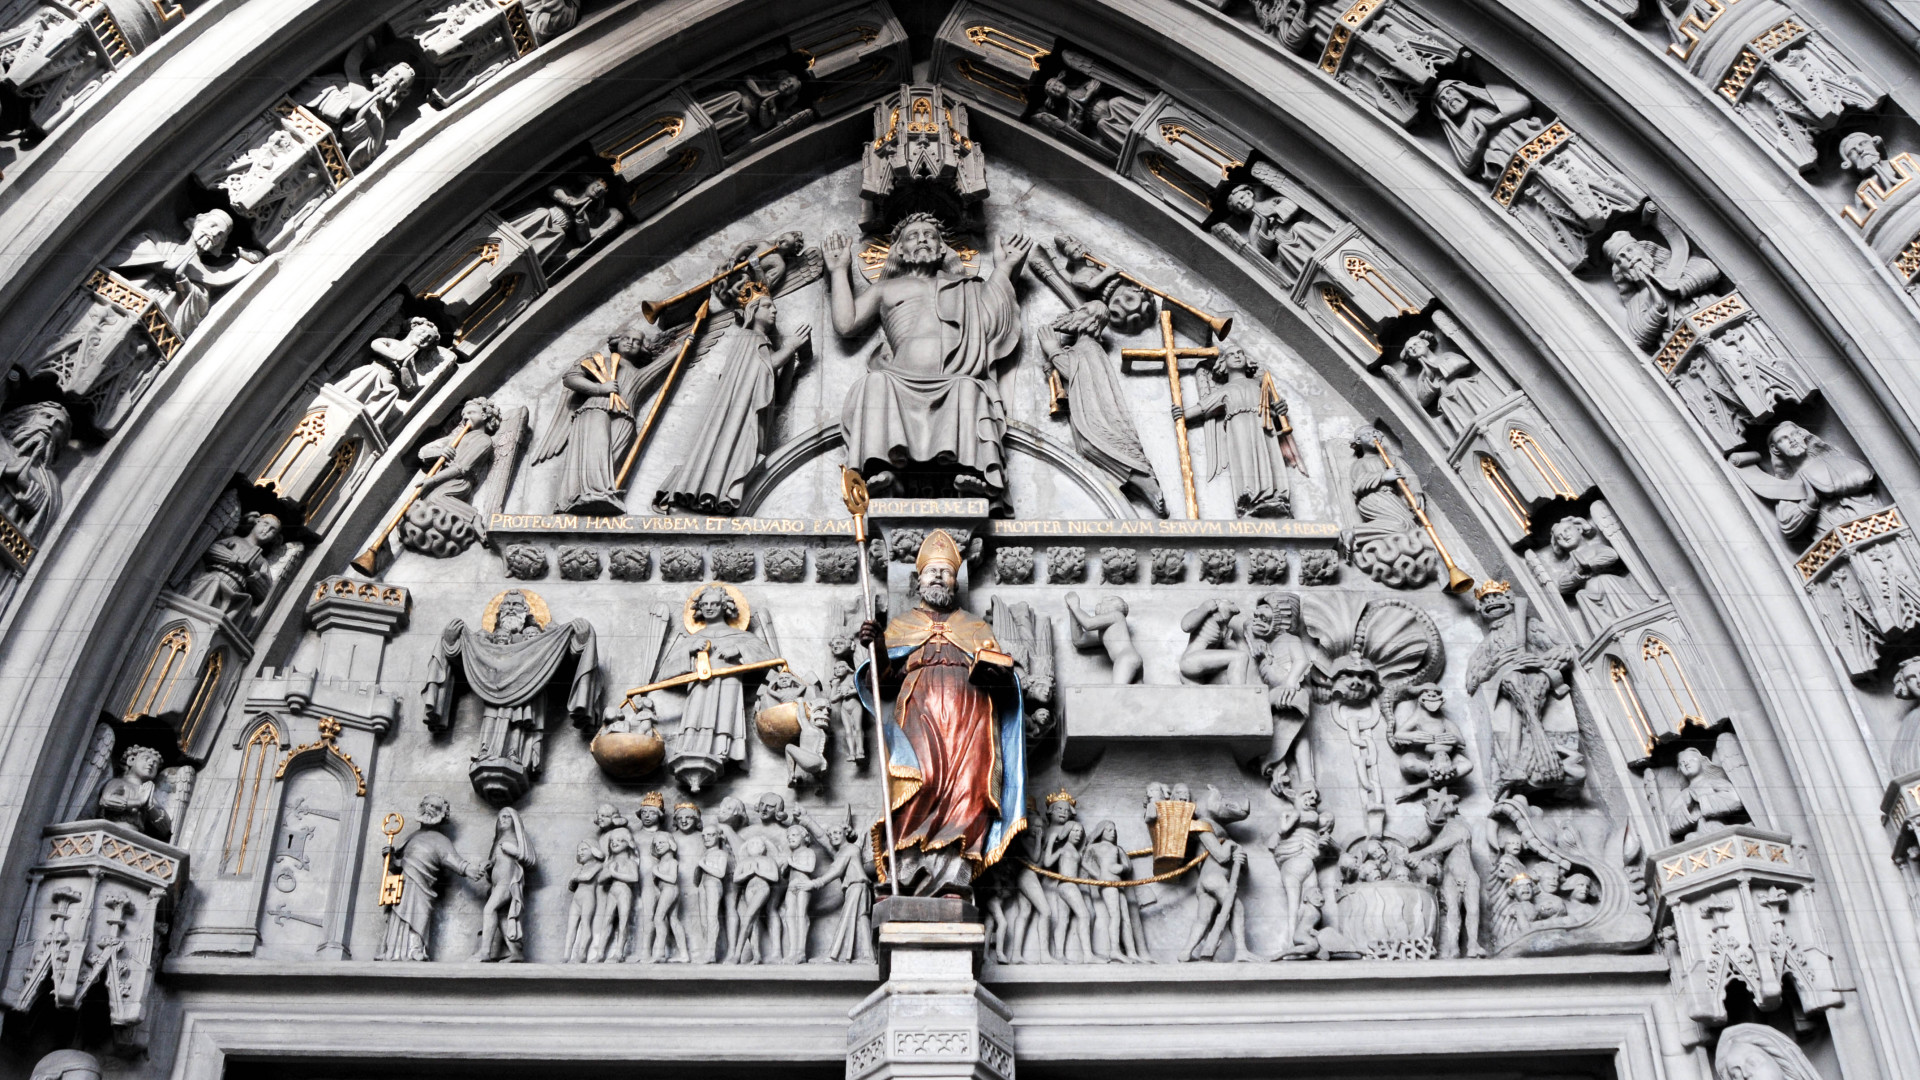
956, 750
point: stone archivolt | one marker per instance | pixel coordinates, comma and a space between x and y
1413, 810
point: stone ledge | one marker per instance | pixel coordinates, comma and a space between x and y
1554, 969
206, 971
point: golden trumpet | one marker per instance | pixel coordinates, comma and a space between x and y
651, 309
368, 561
1220, 327
1458, 580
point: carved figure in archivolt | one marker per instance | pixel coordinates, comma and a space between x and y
1747, 372
1814, 486
1526, 674
423, 854
1392, 58
567, 222
1248, 435
356, 108
753, 105
1079, 363
519, 670
1566, 196
32, 438
928, 399
1588, 571
509, 862
1388, 543
1707, 798
1027, 636
592, 427
236, 573
736, 429
394, 372
713, 726
133, 798
1091, 105
1758, 1052
1447, 384
100, 347
1278, 229
956, 740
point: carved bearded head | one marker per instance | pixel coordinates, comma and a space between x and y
1860, 152
433, 810
514, 615
917, 243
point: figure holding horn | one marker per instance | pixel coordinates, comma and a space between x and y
592, 428
956, 742
1393, 542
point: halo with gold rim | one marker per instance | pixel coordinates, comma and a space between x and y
535, 605
739, 622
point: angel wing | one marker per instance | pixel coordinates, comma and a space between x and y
810, 267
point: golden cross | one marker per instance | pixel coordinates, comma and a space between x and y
1171, 354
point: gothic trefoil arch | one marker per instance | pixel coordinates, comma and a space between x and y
944, 539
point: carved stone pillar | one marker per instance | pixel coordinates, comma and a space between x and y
931, 1019
1742, 905
284, 819
97, 911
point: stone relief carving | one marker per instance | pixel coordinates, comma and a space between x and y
1560, 190
1388, 54
933, 400
53, 57
422, 858
1860, 563
105, 345
736, 430
508, 667
1524, 676
1248, 435
1084, 378
1758, 1052
1387, 543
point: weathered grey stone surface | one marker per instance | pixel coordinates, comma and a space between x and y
1723, 661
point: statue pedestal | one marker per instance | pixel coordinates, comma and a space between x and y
1096, 717
931, 1018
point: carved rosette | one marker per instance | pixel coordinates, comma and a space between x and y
1742, 906
97, 910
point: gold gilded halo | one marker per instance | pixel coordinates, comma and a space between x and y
739, 622
535, 605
